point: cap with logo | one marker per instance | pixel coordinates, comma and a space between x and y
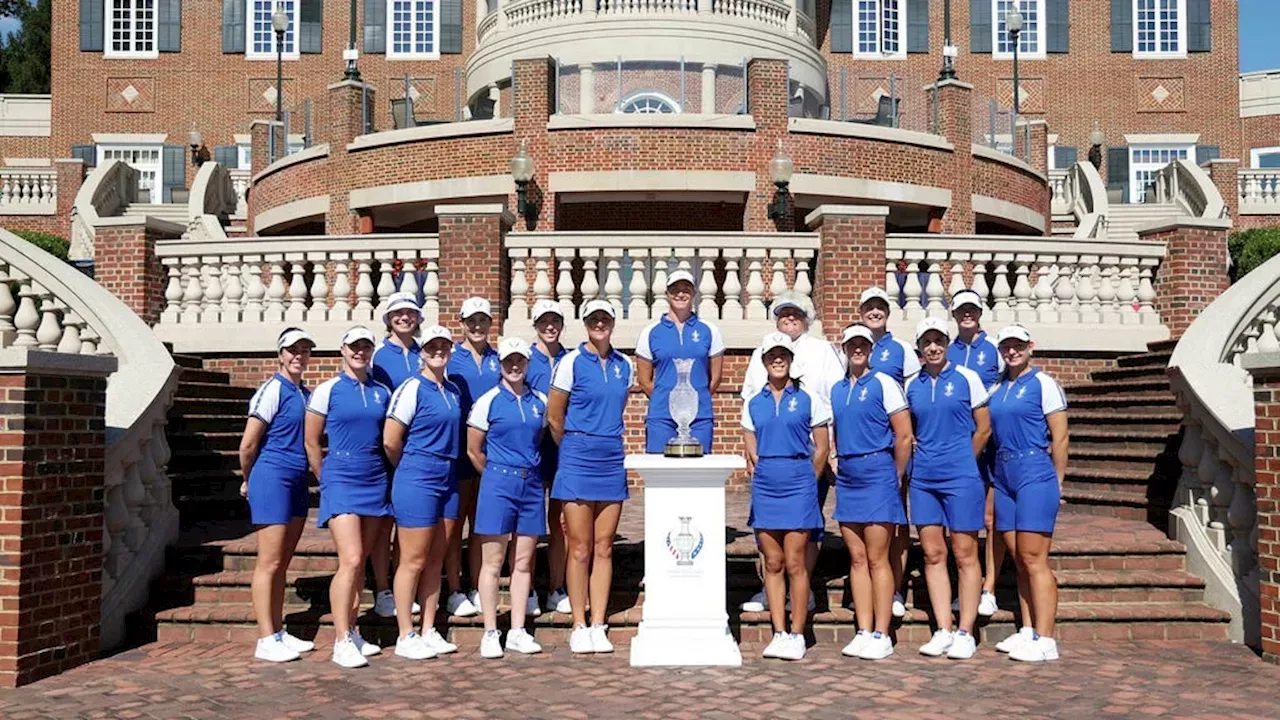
791, 299
1013, 332
401, 301
932, 323
357, 333
544, 306
966, 297
857, 330
292, 336
475, 305
513, 346
435, 332
598, 305
874, 293
777, 340
680, 275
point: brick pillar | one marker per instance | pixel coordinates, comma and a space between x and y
767, 95
1037, 132
1194, 271
260, 140
1224, 174
1265, 369
125, 263
955, 123
70, 175
532, 104
473, 259
850, 260
346, 122
51, 537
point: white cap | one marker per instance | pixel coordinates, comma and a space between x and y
679, 275
872, 294
293, 335
542, 307
775, 340
513, 345
1013, 332
435, 332
598, 305
932, 323
857, 330
359, 332
401, 301
966, 297
793, 300
473, 305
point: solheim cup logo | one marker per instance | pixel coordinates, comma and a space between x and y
685, 544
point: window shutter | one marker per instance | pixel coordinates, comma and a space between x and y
233, 26
1199, 26
1059, 26
91, 25
1205, 153
917, 26
87, 153
175, 170
169, 26
979, 26
842, 26
1118, 171
1064, 157
450, 26
375, 26
228, 156
311, 32
1122, 26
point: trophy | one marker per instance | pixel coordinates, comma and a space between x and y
683, 404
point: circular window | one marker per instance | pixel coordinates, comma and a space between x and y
649, 102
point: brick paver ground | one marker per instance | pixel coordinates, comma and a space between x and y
1153, 679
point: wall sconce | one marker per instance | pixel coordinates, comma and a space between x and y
1096, 139
199, 153
780, 169
522, 173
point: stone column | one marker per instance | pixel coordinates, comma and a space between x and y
586, 88
708, 89
346, 122
51, 539
1225, 176
1265, 369
70, 175
767, 87
1194, 271
955, 123
473, 259
851, 259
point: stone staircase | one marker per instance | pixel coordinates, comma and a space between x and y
175, 213
1123, 221
1120, 577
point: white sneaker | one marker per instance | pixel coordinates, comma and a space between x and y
758, 603
987, 604
792, 648
491, 645
295, 644
365, 647
272, 649
939, 644
878, 647
580, 640
531, 607
436, 642
558, 601
385, 604
1038, 649
346, 654
460, 605
963, 646
899, 606
1015, 640
519, 640
414, 647
774, 647
855, 645
474, 597
600, 639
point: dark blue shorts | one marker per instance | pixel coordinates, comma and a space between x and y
1027, 494
510, 501
424, 491
957, 504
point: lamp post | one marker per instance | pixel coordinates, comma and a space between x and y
279, 23
351, 54
780, 169
199, 153
1013, 23
522, 173
949, 51
1096, 138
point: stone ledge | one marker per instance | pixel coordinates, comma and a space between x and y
813, 126
431, 191
1261, 364
312, 153
150, 222
290, 211
33, 361
835, 186
987, 153
651, 181
442, 131
1005, 210
636, 120
1185, 222
498, 210
822, 212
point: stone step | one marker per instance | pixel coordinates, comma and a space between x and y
1127, 505
206, 462
1123, 438
191, 390
188, 362
1148, 417
1128, 373
1161, 346
225, 407
180, 443
1146, 359
1135, 401
194, 375
193, 423
1129, 386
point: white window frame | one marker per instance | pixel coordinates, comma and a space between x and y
655, 95
1026, 50
1136, 188
1255, 155
1180, 52
292, 33
434, 54
157, 185
109, 30
878, 31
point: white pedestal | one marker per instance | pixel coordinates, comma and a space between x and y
684, 621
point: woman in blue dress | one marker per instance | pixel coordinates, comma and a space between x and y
505, 430
1029, 427
949, 408
872, 444
787, 447
274, 463
420, 438
354, 486
585, 414
548, 351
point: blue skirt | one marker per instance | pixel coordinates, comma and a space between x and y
590, 469
424, 490
784, 495
355, 484
277, 493
867, 490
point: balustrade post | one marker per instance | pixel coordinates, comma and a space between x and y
256, 292
851, 258
319, 292
661, 256
1193, 272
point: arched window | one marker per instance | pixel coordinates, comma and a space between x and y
649, 102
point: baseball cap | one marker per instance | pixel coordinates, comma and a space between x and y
679, 275
932, 323
291, 335
359, 332
1013, 332
473, 305
775, 340
598, 305
857, 330
790, 299
874, 293
513, 345
435, 332
966, 297
401, 301
542, 307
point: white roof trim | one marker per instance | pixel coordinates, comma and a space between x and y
1162, 138
130, 138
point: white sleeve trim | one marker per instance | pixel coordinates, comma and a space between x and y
631, 367
717, 340
479, 418
642, 343
320, 397
910, 363
819, 410
977, 393
747, 424
894, 399
266, 401
562, 380
404, 403
1052, 399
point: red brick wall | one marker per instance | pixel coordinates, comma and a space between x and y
1250, 222
1009, 182
52, 224
1258, 132
51, 523
1193, 274
851, 259
473, 263
126, 265
657, 215
25, 147
1266, 441
955, 124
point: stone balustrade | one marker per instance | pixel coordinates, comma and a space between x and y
522, 14
1259, 191
240, 180
1061, 200
28, 191
1187, 185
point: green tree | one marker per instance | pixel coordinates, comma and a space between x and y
1251, 248
25, 53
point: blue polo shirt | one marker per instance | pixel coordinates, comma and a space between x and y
392, 364
784, 427
282, 406
662, 343
895, 358
513, 425
1019, 408
981, 356
860, 411
542, 368
942, 409
431, 413
472, 378
353, 413
598, 389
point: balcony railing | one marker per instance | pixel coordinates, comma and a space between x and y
28, 191
777, 14
1259, 191
240, 179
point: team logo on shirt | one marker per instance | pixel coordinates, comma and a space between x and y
1021, 391
884, 354
493, 365
791, 405
375, 396
617, 372
948, 389
982, 357
536, 412
862, 396
695, 337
